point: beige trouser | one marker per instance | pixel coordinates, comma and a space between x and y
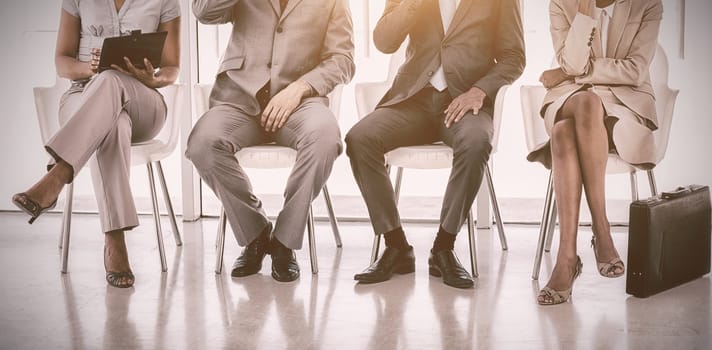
111, 112
222, 131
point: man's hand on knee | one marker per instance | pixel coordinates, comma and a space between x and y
472, 100
281, 106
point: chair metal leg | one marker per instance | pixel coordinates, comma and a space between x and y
66, 226
220, 242
312, 242
495, 206
399, 180
377, 237
552, 225
634, 185
374, 249
653, 184
332, 217
473, 247
544, 228
169, 204
157, 218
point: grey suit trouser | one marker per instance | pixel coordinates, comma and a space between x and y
221, 132
417, 121
103, 119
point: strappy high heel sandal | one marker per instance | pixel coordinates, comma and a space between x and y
550, 296
608, 269
124, 279
29, 206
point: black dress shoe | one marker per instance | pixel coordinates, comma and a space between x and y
393, 260
284, 263
250, 261
446, 264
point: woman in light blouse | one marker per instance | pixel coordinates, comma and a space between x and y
599, 101
103, 113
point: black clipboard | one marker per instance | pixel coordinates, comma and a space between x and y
135, 46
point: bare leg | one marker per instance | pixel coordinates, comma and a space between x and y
46, 191
116, 258
567, 184
592, 142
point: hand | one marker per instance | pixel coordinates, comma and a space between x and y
147, 75
553, 77
472, 100
94, 62
281, 106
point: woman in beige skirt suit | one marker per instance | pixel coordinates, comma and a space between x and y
103, 113
599, 101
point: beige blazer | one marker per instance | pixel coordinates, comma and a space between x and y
312, 41
483, 46
632, 40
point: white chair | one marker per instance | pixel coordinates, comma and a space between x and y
144, 153
432, 156
272, 156
532, 97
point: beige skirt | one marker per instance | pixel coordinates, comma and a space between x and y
629, 135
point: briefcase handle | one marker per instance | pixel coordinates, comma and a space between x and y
677, 193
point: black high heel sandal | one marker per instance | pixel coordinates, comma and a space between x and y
115, 278
29, 206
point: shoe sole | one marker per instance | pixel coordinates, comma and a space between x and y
435, 272
402, 269
285, 280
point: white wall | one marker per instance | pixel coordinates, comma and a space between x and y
27, 34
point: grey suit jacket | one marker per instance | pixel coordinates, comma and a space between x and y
310, 41
483, 47
624, 67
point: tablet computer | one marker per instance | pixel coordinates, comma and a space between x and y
135, 46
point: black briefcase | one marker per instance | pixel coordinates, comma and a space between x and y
668, 240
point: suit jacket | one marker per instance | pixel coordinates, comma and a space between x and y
310, 41
624, 67
483, 46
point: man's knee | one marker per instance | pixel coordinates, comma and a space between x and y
475, 144
202, 143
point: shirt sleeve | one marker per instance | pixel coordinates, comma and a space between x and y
71, 6
169, 10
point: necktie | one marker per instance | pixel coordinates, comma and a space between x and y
603, 28
282, 4
447, 12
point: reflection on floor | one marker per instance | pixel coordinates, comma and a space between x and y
189, 307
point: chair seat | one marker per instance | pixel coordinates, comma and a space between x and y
433, 156
146, 152
268, 156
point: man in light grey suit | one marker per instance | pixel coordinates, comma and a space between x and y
459, 54
283, 58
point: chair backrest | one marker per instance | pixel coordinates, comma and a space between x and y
174, 96
532, 97
47, 107
665, 98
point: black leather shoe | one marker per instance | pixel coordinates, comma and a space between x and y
446, 264
250, 261
284, 263
393, 260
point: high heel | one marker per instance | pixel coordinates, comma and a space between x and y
608, 269
549, 296
29, 206
123, 279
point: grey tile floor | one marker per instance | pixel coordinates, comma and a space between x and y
189, 307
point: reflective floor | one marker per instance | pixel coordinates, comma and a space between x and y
189, 307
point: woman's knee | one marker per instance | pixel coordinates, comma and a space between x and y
563, 137
584, 107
